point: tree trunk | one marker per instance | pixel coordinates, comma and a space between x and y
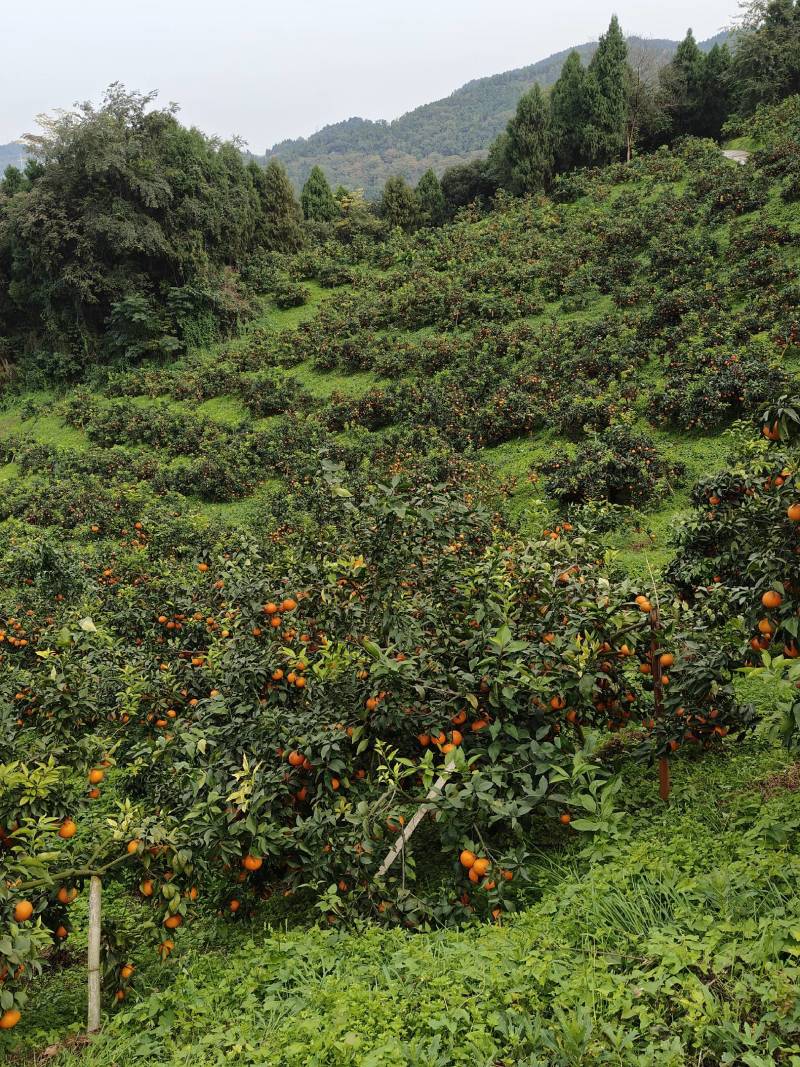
95, 904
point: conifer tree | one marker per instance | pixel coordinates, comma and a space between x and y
568, 114
430, 199
317, 199
716, 91
398, 204
282, 217
528, 146
606, 98
682, 88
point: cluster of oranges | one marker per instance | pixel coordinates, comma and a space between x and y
479, 872
446, 742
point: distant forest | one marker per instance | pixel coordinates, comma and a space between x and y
362, 154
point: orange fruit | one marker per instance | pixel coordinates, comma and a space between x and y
467, 858
96, 776
481, 866
132, 847
172, 922
126, 971
252, 863
68, 829
565, 818
9, 1019
771, 599
23, 911
794, 512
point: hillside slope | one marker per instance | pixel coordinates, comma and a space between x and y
651, 309
360, 153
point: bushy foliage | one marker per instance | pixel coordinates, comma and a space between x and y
619, 464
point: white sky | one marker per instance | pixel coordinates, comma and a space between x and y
268, 70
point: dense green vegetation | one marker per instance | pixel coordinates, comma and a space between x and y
395, 604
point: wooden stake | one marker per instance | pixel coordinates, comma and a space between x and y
95, 906
663, 778
658, 695
417, 818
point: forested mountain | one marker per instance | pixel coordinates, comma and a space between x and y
11, 155
360, 153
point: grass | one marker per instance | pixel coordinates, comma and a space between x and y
287, 318
742, 144
44, 429
8, 472
322, 384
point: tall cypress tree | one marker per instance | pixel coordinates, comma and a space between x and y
280, 228
528, 147
716, 91
398, 204
606, 98
682, 88
430, 199
317, 199
568, 114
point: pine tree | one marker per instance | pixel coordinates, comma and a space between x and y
317, 198
606, 98
12, 182
430, 199
281, 223
528, 149
682, 88
568, 114
398, 204
716, 91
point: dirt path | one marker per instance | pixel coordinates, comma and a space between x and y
738, 155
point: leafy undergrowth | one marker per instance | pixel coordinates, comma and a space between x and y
672, 936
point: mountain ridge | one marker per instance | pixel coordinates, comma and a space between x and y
362, 153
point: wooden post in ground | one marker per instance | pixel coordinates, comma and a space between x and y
658, 695
95, 908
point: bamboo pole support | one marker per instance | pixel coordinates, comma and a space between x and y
658, 695
95, 906
417, 818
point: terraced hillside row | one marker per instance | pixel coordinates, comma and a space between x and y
584, 348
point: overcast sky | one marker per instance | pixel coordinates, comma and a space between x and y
268, 70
